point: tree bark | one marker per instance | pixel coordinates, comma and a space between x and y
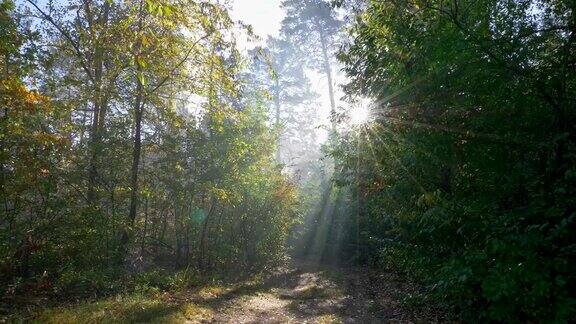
138, 112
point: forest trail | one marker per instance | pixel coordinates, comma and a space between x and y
301, 293
305, 293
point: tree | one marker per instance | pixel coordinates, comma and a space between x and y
313, 25
90, 44
465, 159
278, 69
147, 94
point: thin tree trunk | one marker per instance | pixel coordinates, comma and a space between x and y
2, 167
328, 72
6, 74
277, 104
98, 103
95, 152
138, 112
204, 237
145, 229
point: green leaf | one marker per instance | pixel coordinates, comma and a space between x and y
141, 78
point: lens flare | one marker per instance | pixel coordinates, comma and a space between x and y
361, 113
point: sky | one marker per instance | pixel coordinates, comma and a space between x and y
266, 16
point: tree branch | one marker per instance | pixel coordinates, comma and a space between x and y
66, 35
178, 65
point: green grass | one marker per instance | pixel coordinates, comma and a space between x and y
153, 306
121, 309
135, 308
152, 297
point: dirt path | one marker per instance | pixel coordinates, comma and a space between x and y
301, 293
308, 294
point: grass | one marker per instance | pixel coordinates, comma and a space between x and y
190, 301
328, 319
127, 309
146, 302
156, 296
139, 307
196, 313
151, 307
121, 309
212, 292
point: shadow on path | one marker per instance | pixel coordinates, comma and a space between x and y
300, 293
315, 294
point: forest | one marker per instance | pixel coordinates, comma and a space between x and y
370, 161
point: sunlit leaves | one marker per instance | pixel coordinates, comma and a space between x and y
467, 199
159, 8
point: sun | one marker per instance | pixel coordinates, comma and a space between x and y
361, 113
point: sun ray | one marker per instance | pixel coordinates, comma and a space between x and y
404, 141
399, 163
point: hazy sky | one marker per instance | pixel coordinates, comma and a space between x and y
264, 15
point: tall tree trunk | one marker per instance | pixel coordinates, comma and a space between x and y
277, 121
138, 112
145, 229
6, 74
2, 166
99, 103
204, 236
328, 72
94, 150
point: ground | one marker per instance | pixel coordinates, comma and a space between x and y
301, 293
